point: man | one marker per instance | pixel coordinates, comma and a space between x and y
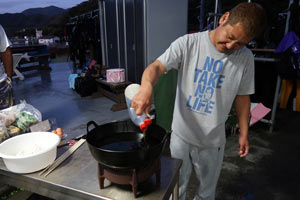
6, 70
215, 69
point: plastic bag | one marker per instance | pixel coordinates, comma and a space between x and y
7, 117
25, 115
27, 108
3, 131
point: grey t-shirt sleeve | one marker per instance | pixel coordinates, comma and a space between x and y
247, 85
172, 58
4, 42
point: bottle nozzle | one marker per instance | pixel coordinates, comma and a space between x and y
143, 127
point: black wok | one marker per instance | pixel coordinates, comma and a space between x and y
121, 144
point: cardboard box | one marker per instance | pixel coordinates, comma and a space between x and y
116, 75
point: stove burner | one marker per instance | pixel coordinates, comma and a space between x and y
130, 176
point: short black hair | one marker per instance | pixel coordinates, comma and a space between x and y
251, 16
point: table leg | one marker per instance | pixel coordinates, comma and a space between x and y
278, 82
18, 74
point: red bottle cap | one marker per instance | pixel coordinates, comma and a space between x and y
147, 121
143, 127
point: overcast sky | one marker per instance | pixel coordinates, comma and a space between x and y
16, 6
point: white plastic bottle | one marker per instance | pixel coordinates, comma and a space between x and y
140, 120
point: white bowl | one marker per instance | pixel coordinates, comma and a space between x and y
29, 152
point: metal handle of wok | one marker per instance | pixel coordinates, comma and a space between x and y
164, 140
168, 134
89, 124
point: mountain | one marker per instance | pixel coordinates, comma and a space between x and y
29, 19
16, 22
50, 19
48, 11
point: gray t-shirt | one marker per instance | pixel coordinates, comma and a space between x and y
4, 43
208, 82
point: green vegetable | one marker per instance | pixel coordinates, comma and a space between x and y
24, 120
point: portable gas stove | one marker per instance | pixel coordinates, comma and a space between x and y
129, 176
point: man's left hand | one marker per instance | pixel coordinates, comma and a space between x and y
243, 145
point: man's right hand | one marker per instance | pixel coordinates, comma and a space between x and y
142, 101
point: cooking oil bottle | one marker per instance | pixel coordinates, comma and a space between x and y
140, 120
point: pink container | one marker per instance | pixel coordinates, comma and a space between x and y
115, 75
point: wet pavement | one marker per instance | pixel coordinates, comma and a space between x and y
270, 171
49, 92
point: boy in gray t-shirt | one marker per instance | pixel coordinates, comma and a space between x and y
215, 69
206, 88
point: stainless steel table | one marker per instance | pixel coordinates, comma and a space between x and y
76, 179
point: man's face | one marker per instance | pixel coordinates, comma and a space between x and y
228, 38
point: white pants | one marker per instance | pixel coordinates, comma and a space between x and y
207, 163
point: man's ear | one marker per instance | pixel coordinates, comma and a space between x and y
224, 18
